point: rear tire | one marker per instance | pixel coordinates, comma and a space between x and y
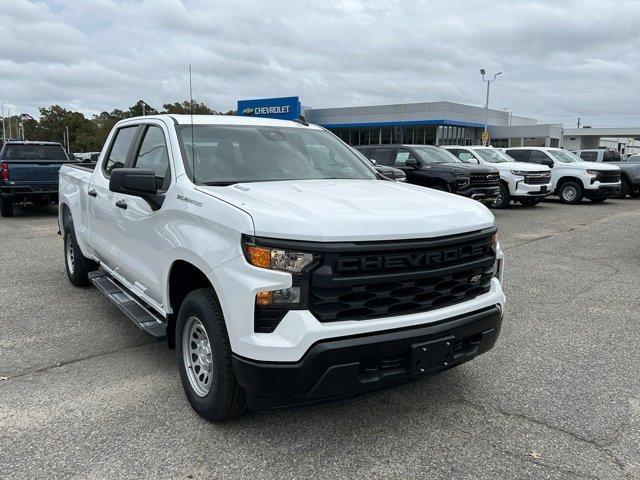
635, 193
6, 209
503, 199
77, 265
204, 358
570, 192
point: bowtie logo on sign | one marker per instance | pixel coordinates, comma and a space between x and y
248, 111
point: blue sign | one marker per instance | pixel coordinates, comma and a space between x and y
283, 108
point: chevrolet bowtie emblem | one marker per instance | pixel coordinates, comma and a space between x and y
475, 279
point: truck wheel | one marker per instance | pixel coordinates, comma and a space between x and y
6, 210
635, 193
503, 199
204, 358
625, 189
598, 199
77, 265
570, 192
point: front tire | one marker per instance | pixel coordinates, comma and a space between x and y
6, 209
204, 358
503, 199
570, 192
625, 188
77, 265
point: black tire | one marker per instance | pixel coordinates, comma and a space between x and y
77, 265
570, 192
6, 209
503, 199
225, 398
530, 202
625, 188
635, 193
597, 200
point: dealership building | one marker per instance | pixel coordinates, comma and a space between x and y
427, 123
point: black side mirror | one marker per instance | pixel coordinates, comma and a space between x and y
133, 181
547, 161
412, 162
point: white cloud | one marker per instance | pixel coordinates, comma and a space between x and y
560, 60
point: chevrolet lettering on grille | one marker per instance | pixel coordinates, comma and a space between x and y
414, 260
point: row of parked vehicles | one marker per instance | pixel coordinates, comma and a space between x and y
283, 268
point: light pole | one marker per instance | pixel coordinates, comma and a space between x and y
485, 134
4, 137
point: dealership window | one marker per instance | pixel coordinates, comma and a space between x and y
533, 142
515, 142
407, 135
554, 142
500, 142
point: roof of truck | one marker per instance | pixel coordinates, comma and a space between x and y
224, 120
30, 142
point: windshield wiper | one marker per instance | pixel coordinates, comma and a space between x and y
218, 184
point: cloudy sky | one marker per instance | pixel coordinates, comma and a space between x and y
560, 60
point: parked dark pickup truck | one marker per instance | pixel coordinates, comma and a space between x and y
29, 173
436, 168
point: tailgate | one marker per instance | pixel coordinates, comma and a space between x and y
31, 172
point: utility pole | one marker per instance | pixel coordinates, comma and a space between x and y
9, 114
485, 134
4, 137
579, 122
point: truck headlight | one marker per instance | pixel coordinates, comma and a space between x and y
593, 172
462, 180
518, 173
277, 259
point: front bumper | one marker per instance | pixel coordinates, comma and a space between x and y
480, 193
526, 190
344, 367
603, 191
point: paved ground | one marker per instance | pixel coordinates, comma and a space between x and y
89, 396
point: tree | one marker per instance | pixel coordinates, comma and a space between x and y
141, 108
184, 108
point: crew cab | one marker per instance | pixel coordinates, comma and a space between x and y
519, 181
436, 168
629, 170
280, 266
571, 178
29, 173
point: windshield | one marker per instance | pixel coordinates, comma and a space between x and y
35, 152
564, 156
493, 156
436, 155
234, 154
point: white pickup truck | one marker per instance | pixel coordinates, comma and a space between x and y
281, 267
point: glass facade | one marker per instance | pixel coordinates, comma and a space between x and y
409, 134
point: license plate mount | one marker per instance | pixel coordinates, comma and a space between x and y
430, 356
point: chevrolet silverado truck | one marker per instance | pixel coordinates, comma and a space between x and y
519, 181
277, 263
571, 178
436, 168
29, 173
630, 170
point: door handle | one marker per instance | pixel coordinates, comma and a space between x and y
92, 193
121, 204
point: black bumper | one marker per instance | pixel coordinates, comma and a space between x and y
604, 191
480, 193
348, 366
28, 191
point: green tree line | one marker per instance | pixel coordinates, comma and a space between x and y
89, 134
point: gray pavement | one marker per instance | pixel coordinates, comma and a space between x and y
89, 396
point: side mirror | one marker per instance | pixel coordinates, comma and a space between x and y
133, 181
547, 161
412, 162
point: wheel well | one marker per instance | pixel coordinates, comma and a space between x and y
65, 216
183, 278
564, 180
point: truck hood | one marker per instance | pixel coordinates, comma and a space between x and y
350, 210
603, 167
466, 167
521, 166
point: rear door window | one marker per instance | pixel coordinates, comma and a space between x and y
383, 156
589, 156
519, 155
120, 147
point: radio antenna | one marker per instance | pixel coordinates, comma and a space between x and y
193, 148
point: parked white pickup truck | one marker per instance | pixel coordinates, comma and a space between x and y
280, 265
571, 178
526, 183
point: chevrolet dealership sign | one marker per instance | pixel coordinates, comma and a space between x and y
283, 108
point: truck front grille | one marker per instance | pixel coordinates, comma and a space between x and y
485, 179
537, 178
608, 177
398, 278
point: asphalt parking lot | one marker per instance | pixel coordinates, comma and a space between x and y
85, 394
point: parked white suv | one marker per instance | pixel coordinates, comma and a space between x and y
571, 178
278, 263
523, 182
